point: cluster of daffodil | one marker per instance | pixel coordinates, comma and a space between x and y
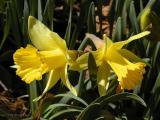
49, 54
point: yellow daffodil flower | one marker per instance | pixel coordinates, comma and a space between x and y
49, 54
111, 56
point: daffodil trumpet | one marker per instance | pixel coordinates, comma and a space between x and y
48, 54
109, 56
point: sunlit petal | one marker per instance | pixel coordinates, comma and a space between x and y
53, 58
82, 62
131, 56
129, 74
97, 41
65, 80
29, 65
73, 55
54, 76
99, 55
42, 37
102, 78
133, 77
119, 45
108, 41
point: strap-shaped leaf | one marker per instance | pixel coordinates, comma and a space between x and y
64, 114
90, 112
73, 97
123, 96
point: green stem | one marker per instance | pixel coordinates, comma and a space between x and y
83, 44
33, 94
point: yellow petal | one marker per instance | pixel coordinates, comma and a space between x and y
108, 41
29, 64
42, 37
54, 76
75, 67
99, 55
131, 56
102, 78
53, 59
133, 76
119, 45
129, 74
73, 54
82, 62
97, 41
64, 78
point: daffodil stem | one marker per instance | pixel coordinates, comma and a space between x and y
33, 95
81, 83
85, 42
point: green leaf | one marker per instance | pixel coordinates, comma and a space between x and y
112, 86
133, 18
51, 13
155, 54
5, 30
118, 30
156, 84
5, 75
68, 30
53, 106
111, 17
15, 27
52, 109
33, 7
73, 97
7, 55
91, 22
92, 67
80, 84
90, 113
122, 96
119, 7
125, 15
80, 24
135, 27
141, 5
74, 37
101, 102
64, 114
24, 22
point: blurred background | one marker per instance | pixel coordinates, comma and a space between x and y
72, 19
